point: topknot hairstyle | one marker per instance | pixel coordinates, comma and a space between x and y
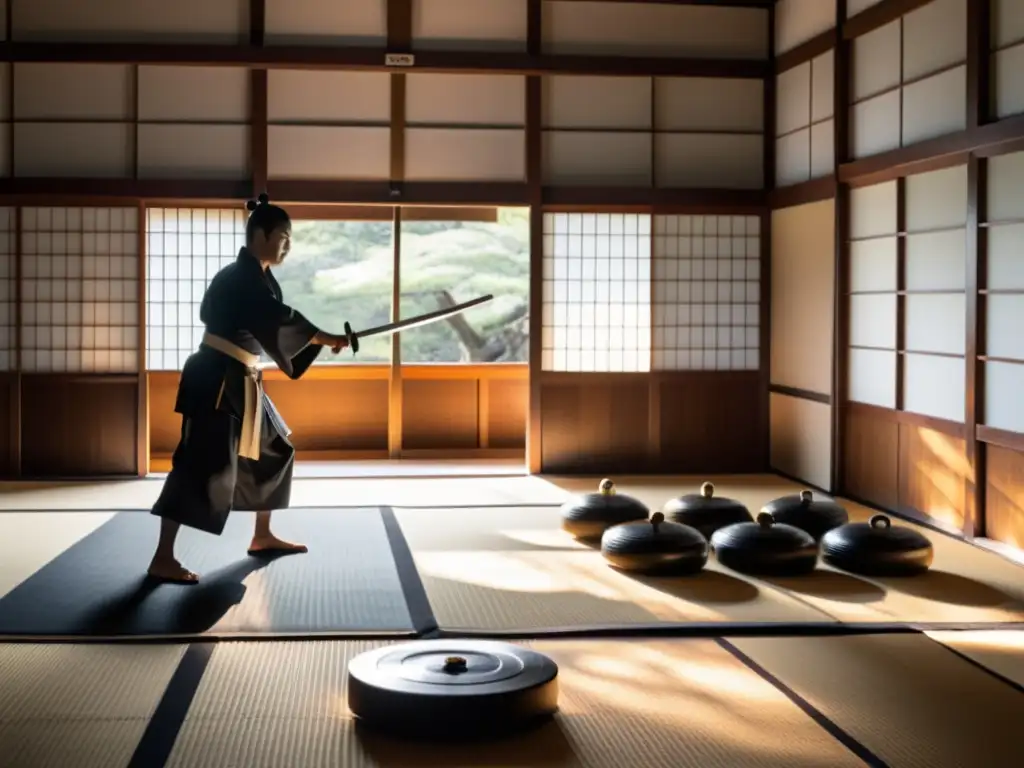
264, 217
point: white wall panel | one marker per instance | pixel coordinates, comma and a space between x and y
353, 22
934, 37
803, 239
853, 7
797, 21
873, 320
722, 161
300, 96
937, 199
469, 25
708, 104
873, 210
922, 392
823, 86
1005, 267
169, 151
571, 157
822, 149
62, 150
1007, 22
596, 102
1005, 181
793, 158
801, 438
654, 29
936, 261
935, 106
872, 377
317, 152
493, 100
1004, 321
436, 154
875, 125
1004, 407
1009, 85
72, 91
873, 265
216, 94
793, 99
935, 322
223, 21
876, 61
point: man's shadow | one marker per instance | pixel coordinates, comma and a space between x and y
150, 607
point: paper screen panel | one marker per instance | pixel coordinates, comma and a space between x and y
596, 292
8, 293
194, 94
305, 22
469, 25
186, 247
804, 133
141, 21
79, 289
654, 29
707, 292
797, 21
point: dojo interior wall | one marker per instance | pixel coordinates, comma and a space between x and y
694, 400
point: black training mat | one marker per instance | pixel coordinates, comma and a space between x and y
347, 582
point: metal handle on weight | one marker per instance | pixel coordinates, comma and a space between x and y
353, 340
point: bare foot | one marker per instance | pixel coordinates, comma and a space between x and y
172, 572
273, 545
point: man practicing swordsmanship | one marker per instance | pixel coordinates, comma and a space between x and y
234, 451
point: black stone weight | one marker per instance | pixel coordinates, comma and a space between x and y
705, 511
765, 548
587, 517
877, 548
816, 517
655, 546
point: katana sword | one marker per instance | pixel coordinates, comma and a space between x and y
412, 322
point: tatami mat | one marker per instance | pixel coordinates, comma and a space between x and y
347, 582
80, 706
306, 492
660, 704
29, 540
514, 570
904, 697
966, 584
1001, 651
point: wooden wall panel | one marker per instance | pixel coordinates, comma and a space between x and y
933, 473
710, 422
78, 426
871, 457
345, 415
7, 436
801, 438
440, 414
1004, 496
508, 403
595, 423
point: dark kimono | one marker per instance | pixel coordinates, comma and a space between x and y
223, 461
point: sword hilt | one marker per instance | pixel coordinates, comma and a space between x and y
353, 340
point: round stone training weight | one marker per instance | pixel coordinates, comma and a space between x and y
765, 548
801, 511
705, 511
655, 546
877, 548
587, 517
452, 689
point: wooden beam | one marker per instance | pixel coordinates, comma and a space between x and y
372, 59
142, 425
811, 49
765, 283
805, 192
258, 102
535, 195
841, 247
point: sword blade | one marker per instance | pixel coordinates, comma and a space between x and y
425, 319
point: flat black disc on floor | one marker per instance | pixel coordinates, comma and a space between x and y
452, 689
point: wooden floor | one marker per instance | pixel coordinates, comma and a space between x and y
926, 674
